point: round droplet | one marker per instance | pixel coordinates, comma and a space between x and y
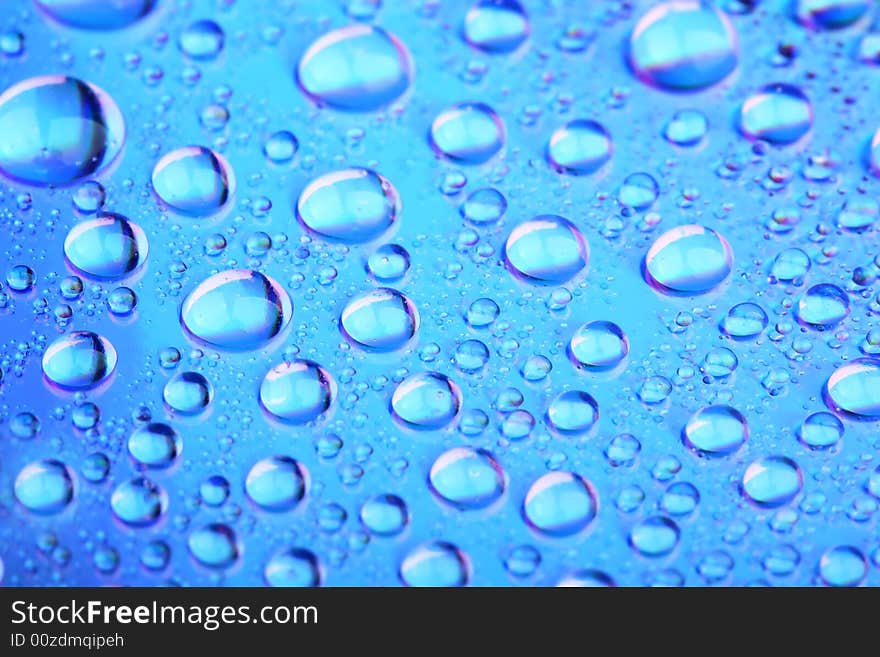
281, 147
385, 515
822, 307
580, 147
471, 356
214, 491
843, 565
352, 206
772, 481
522, 560
193, 181
820, 431
44, 487
688, 260
686, 128
680, 499
638, 191
656, 536
467, 478
238, 309
358, 68
155, 445
201, 40
546, 250
214, 545
572, 413
388, 263
598, 346
853, 389
830, 14
21, 278
655, 389
188, 393
107, 247
293, 568
716, 431
683, 45
96, 14
858, 215
779, 114
468, 133
297, 392
496, 26
484, 206
381, 320
435, 564
481, 313
560, 503
57, 130
24, 425
81, 360
139, 502
276, 484
744, 321
790, 265
426, 401
122, 301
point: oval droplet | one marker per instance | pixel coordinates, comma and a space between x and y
843, 565
822, 307
772, 481
188, 393
155, 445
560, 503
779, 114
853, 390
572, 413
426, 401
201, 40
97, 14
44, 487
496, 26
381, 320
716, 431
293, 568
580, 147
214, 546
106, 247
744, 321
139, 502
820, 431
688, 260
194, 181
791, 265
467, 478
81, 360
435, 564
830, 14
385, 515
598, 346
656, 536
546, 250
276, 484
686, 128
468, 133
297, 392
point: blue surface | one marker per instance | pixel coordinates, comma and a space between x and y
785, 506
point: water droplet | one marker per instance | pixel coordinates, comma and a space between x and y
680, 499
588, 578
482, 313
468, 133
560, 503
58, 130
297, 392
155, 445
467, 478
580, 147
522, 560
858, 215
122, 301
21, 278
188, 393
44, 487
238, 309
281, 147
471, 356
822, 307
572, 413
685, 45
779, 114
385, 515
214, 491
294, 568
380, 320
484, 206
686, 128
388, 263
854, 389
688, 260
435, 564
96, 14
202, 40
772, 481
352, 206
655, 389
358, 68
426, 401
791, 265
139, 502
193, 181
276, 484
598, 346
81, 360
107, 247
638, 191
214, 545
716, 431
744, 321
820, 431
830, 14
546, 250
843, 565
656, 536
496, 26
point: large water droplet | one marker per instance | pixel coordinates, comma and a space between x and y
830, 14
214, 545
276, 484
194, 181
435, 564
716, 431
580, 147
572, 413
546, 250
772, 481
296, 567
381, 320
467, 478
139, 502
656, 536
598, 346
81, 360
820, 431
843, 565
688, 260
426, 401
822, 307
57, 130
44, 487
560, 504
468, 133
683, 45
155, 445
779, 114
97, 14
854, 389
358, 68
352, 206
496, 26
790, 265
107, 247
237, 309
297, 392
